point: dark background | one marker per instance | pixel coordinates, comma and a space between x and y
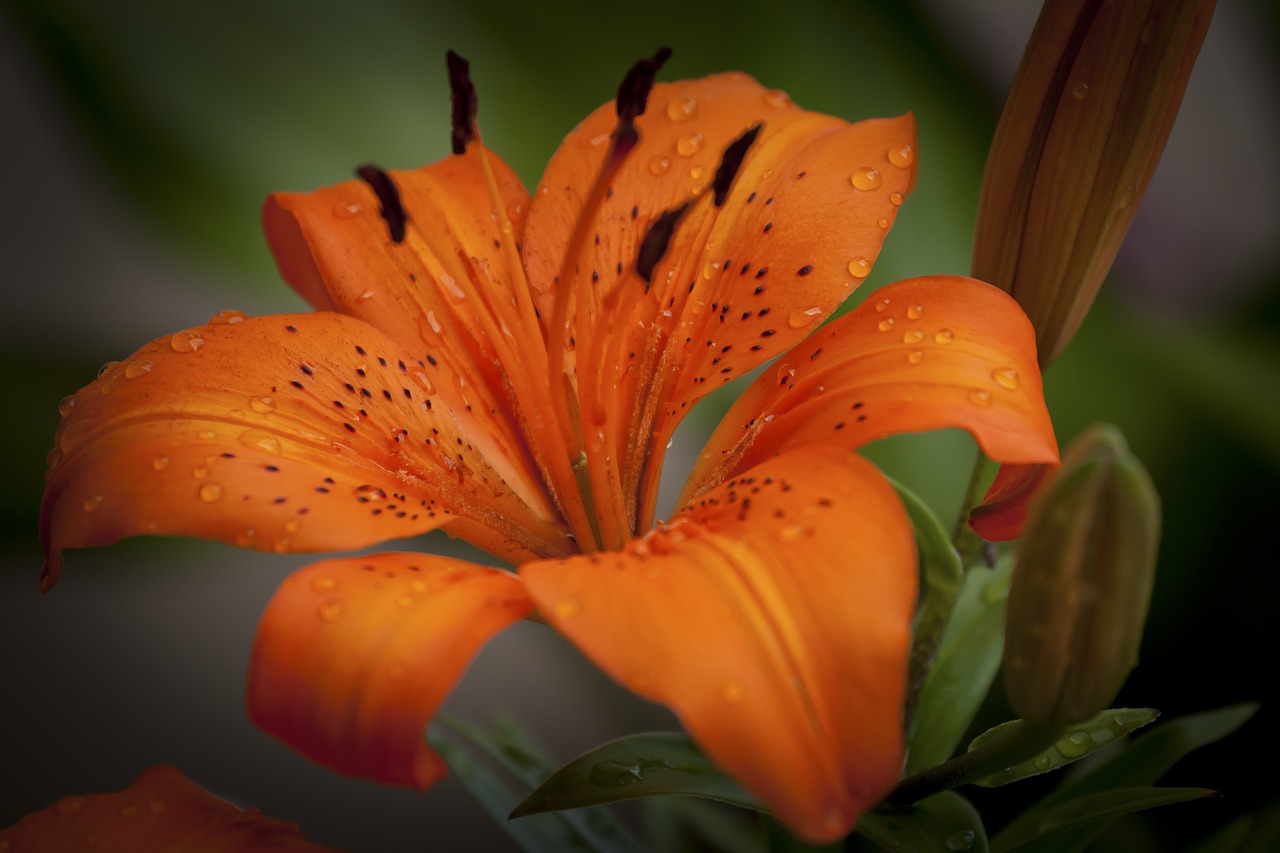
139, 139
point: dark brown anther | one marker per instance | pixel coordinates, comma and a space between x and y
656, 240
731, 162
462, 94
633, 98
388, 198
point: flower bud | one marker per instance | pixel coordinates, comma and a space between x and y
1082, 130
1082, 583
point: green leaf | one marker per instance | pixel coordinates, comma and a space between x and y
516, 752
687, 823
1141, 764
1088, 810
1076, 742
643, 765
945, 823
967, 661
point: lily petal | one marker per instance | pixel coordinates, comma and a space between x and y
288, 433
1003, 510
353, 656
161, 810
774, 618
734, 286
452, 287
922, 354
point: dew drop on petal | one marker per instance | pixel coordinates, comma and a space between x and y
107, 368
210, 492
689, 144
883, 222
896, 199
902, 155
866, 178
980, 398
92, 503
138, 367
960, 840
710, 269
567, 608
914, 336
66, 404
365, 297
369, 493
188, 341
860, 267
944, 336
208, 434
681, 108
886, 324
262, 405
791, 533
695, 172
915, 312
291, 525
799, 319
330, 611
70, 805
777, 98
882, 305
223, 318
915, 356
1006, 377
1080, 91
160, 463
346, 209
260, 440
733, 691
324, 583
659, 165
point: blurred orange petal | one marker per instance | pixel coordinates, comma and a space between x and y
774, 618
353, 657
161, 810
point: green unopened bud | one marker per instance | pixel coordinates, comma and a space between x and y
1081, 132
1082, 583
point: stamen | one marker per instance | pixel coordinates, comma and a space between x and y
731, 162
463, 97
656, 240
633, 97
388, 195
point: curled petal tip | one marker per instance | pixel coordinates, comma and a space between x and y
51, 571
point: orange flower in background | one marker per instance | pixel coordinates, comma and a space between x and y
511, 368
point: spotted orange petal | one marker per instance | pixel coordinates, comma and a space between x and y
161, 810
752, 266
288, 433
353, 656
774, 618
453, 287
922, 354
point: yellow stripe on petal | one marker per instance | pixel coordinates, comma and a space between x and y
353, 657
774, 619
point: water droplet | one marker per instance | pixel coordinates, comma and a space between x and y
777, 98
915, 312
710, 269
882, 305
1042, 762
980, 398
886, 324
689, 144
92, 503
106, 368
70, 805
599, 139
262, 405
66, 404
659, 165
324, 583
138, 367
106, 388
160, 463
866, 178
128, 811
914, 336
681, 108
567, 608
860, 267
791, 532
330, 611
944, 336
961, 839
915, 356
451, 287
188, 341
365, 297
1006, 376
1080, 91
799, 319
53, 456
369, 493
260, 440
695, 172
1075, 744
347, 209
223, 318
1126, 196
210, 492
883, 222
733, 691
208, 434
902, 155
896, 199
291, 525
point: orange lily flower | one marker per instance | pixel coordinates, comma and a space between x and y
511, 368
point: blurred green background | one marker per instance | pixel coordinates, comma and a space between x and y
141, 137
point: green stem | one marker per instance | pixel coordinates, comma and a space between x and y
969, 544
1017, 744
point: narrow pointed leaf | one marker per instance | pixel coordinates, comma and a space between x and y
1076, 742
644, 765
946, 823
1141, 764
673, 821
967, 661
1090, 810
